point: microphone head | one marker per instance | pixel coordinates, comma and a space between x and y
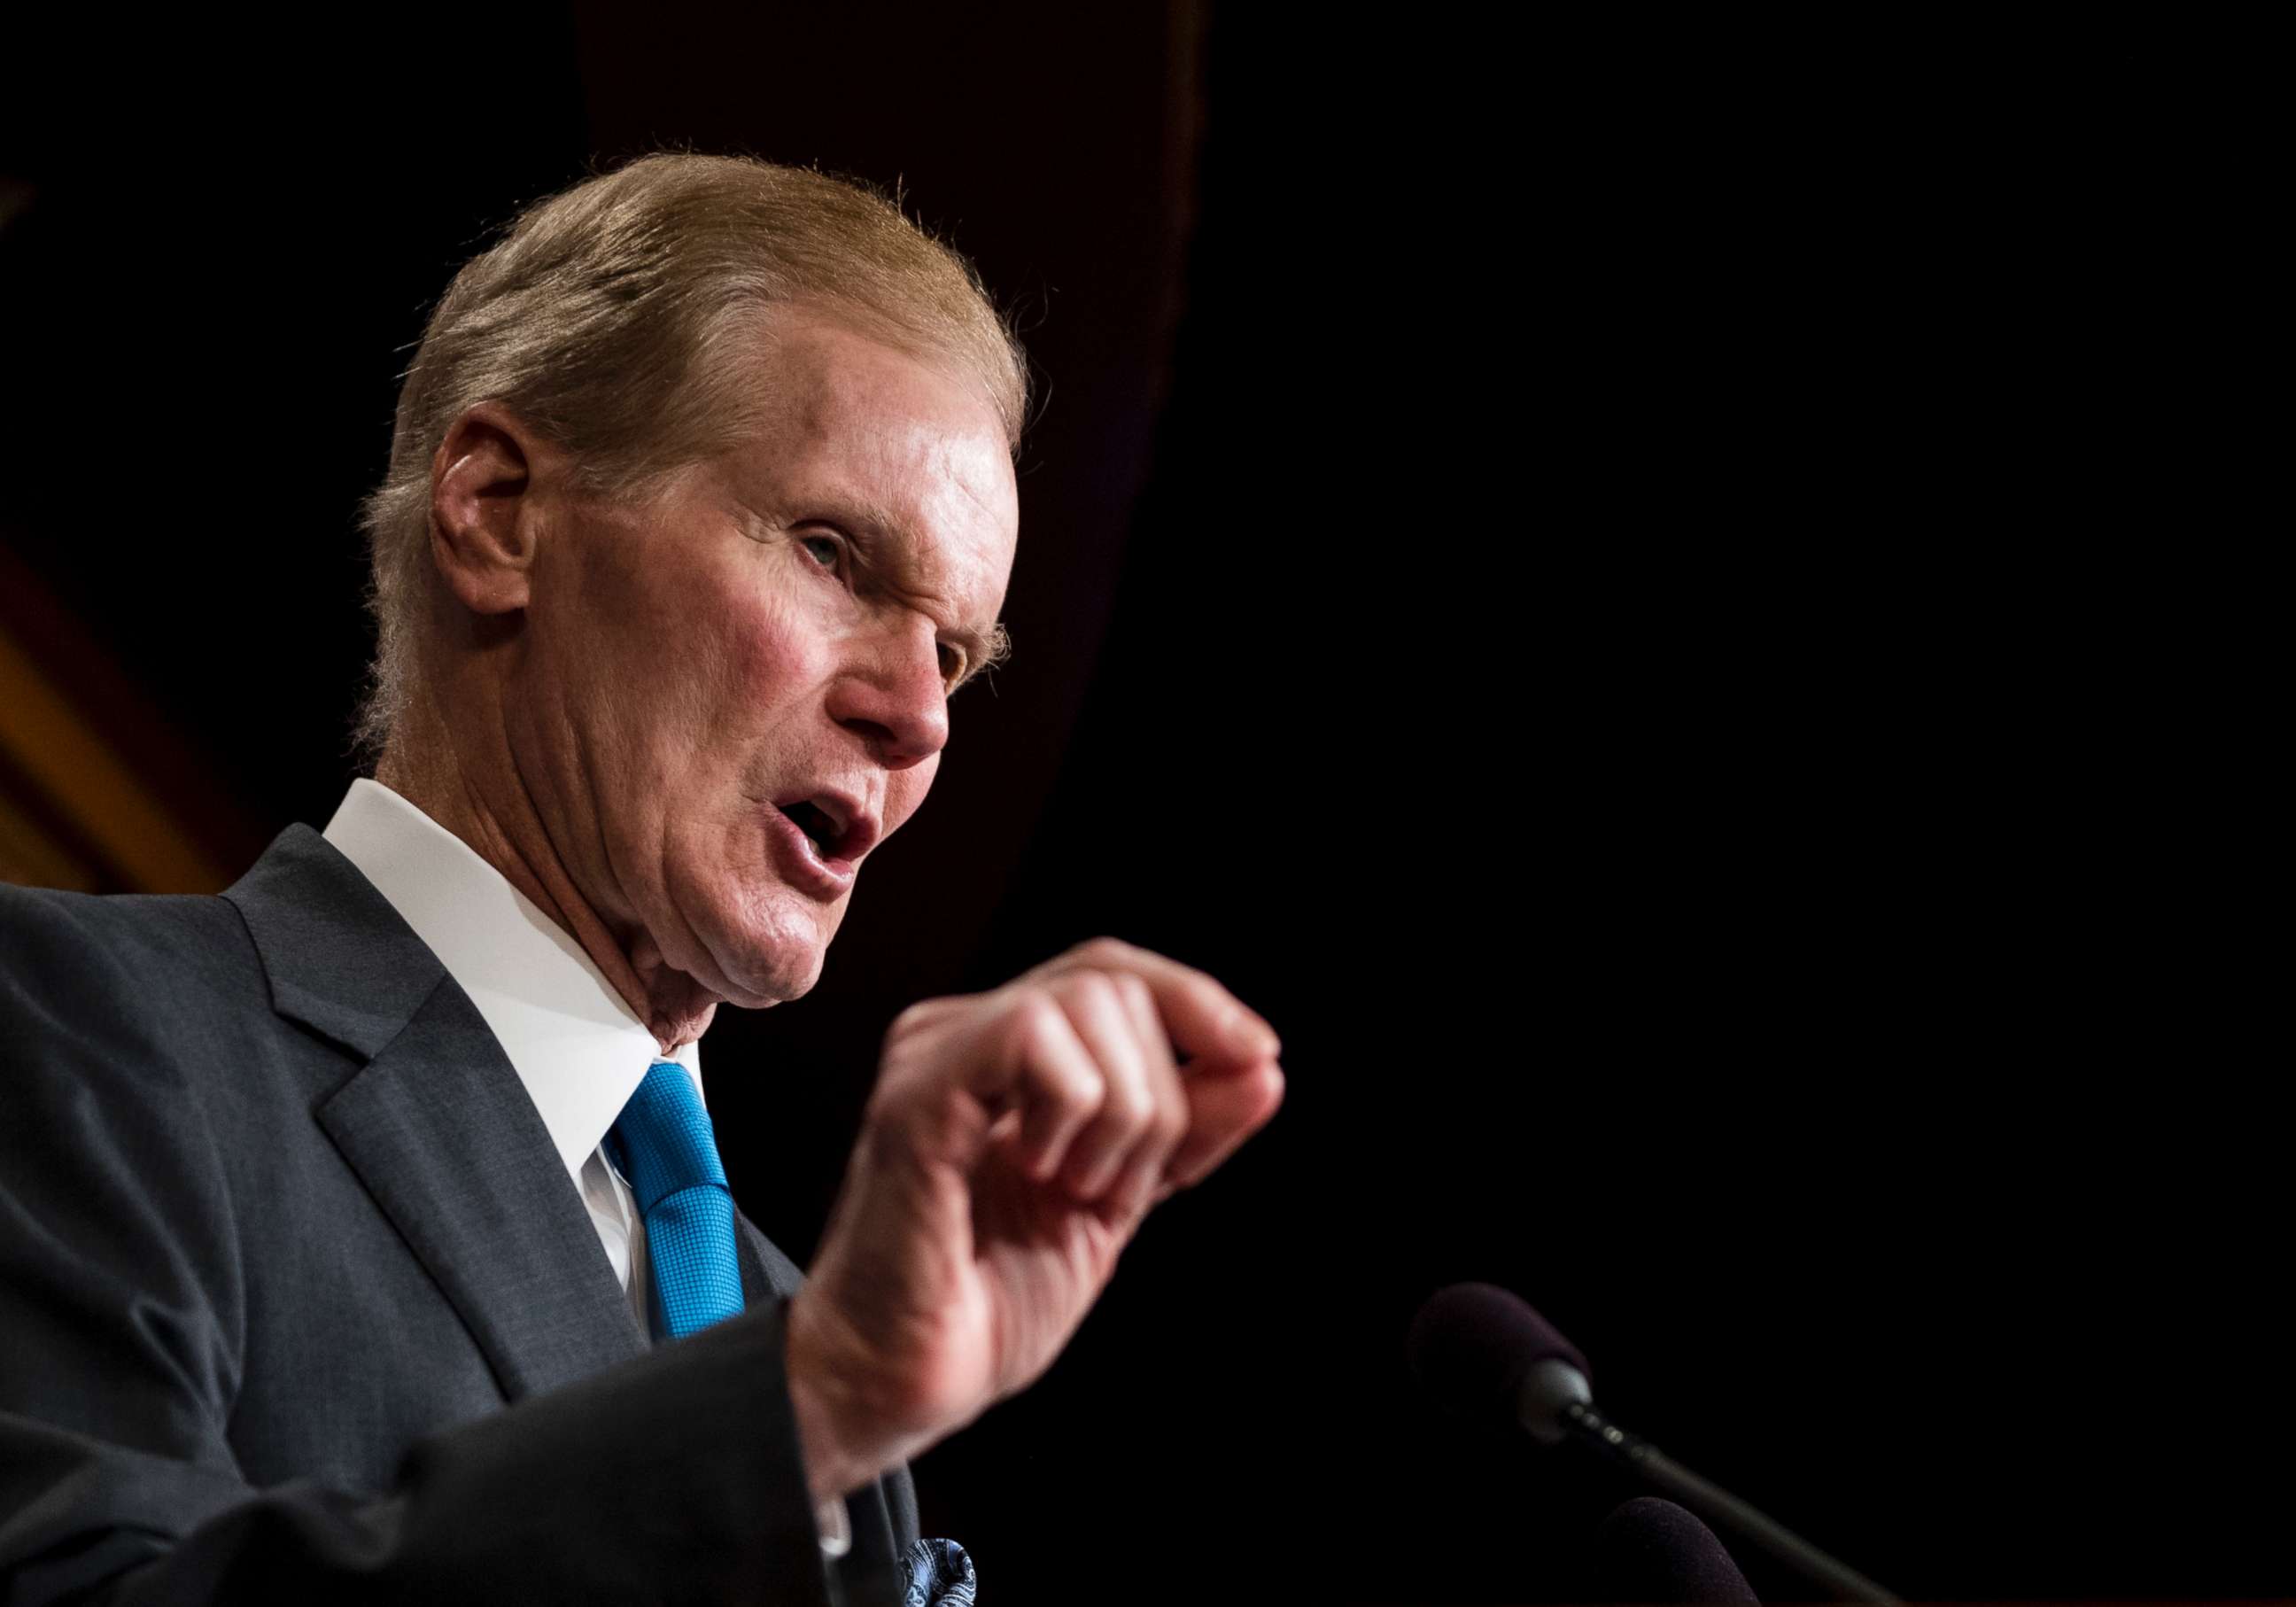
1651, 1550
1473, 1347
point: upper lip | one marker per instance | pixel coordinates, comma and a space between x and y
853, 821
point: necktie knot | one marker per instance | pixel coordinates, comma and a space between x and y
666, 1141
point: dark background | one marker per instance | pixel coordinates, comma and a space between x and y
1638, 591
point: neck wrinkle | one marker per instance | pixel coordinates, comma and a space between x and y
422, 765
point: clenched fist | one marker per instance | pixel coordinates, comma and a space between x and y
1014, 1142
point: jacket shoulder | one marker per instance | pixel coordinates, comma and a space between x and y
113, 964
36, 922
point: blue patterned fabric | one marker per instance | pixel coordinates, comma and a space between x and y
665, 1147
937, 1573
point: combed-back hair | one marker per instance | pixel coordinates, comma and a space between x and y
613, 318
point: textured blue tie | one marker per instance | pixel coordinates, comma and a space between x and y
664, 1146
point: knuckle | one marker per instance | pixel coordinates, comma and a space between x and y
1209, 987
1078, 1090
1105, 951
1131, 1103
888, 1111
1201, 982
913, 1020
1034, 1025
1172, 1121
1035, 1011
1095, 991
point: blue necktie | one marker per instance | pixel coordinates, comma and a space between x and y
664, 1146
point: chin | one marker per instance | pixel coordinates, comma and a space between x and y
768, 983
774, 961
765, 939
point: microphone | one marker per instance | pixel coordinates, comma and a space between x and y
1482, 1352
1651, 1550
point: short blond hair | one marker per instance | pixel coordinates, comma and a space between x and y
607, 318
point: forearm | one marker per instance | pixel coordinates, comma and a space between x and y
677, 1475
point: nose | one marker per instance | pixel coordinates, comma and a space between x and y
892, 693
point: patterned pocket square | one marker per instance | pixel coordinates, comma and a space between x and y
937, 1573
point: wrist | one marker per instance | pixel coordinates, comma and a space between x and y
824, 1375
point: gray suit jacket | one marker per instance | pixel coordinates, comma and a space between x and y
297, 1299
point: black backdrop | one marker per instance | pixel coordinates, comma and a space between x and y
1633, 590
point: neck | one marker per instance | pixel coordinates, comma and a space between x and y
484, 803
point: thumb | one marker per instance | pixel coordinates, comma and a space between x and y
1224, 1110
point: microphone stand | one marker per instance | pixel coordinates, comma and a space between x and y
1717, 1506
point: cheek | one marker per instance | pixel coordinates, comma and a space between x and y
905, 790
754, 668
775, 650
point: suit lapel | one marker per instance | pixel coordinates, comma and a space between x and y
756, 1290
767, 1274
435, 1123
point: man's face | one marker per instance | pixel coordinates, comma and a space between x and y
725, 699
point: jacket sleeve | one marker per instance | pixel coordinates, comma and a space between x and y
675, 1477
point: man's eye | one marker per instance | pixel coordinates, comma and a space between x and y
952, 665
823, 547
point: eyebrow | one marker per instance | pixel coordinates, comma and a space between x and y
881, 535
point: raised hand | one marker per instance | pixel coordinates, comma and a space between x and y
1014, 1143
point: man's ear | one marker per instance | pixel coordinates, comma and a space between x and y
483, 508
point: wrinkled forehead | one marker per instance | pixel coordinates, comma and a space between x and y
827, 382
825, 368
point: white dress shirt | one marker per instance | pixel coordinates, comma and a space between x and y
580, 1050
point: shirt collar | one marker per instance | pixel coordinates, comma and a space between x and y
580, 1050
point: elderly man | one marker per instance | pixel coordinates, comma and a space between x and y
353, 1224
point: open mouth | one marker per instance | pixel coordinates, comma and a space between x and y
838, 827
815, 822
